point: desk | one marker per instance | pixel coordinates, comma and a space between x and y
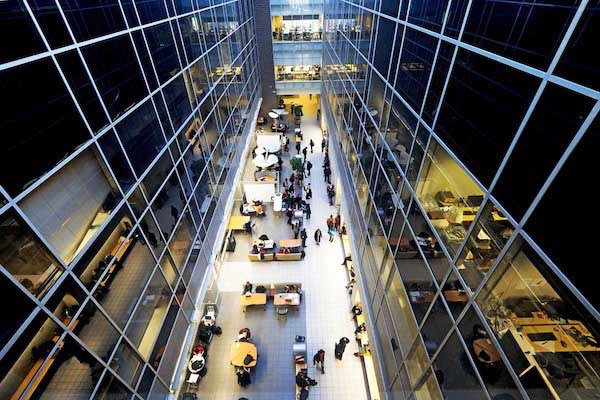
239, 351
253, 300
485, 345
568, 345
456, 296
287, 299
237, 222
421, 296
290, 243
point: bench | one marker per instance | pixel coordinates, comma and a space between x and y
265, 257
288, 256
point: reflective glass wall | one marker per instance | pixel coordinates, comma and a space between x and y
466, 128
120, 135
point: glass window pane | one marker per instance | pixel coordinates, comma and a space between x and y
13, 317
127, 363
145, 324
116, 160
141, 136
401, 311
25, 257
491, 232
181, 242
455, 373
96, 259
116, 73
162, 48
491, 368
70, 207
112, 388
417, 361
168, 205
157, 175
122, 282
449, 196
27, 354
549, 338
178, 102
436, 327
24, 121
87, 21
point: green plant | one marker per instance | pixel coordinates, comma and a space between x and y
296, 163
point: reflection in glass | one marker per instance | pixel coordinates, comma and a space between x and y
490, 233
145, 323
22, 254
449, 196
549, 338
455, 373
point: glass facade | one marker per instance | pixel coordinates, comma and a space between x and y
297, 30
463, 130
119, 146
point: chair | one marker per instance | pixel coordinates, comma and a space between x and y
282, 312
263, 237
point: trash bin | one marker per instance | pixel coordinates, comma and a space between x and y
230, 244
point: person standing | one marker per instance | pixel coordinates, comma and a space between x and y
308, 167
318, 236
312, 144
303, 236
338, 220
318, 114
319, 360
340, 347
331, 233
307, 189
330, 222
297, 147
305, 152
327, 174
323, 145
331, 195
308, 211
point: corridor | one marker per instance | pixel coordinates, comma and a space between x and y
323, 316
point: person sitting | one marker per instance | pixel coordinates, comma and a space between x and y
259, 209
243, 376
248, 287
286, 250
244, 335
255, 249
303, 380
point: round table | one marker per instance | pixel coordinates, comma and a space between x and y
486, 346
239, 351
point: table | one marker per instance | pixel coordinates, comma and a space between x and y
264, 244
290, 243
239, 351
287, 299
486, 345
253, 300
237, 222
456, 296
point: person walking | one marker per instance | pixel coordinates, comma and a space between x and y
303, 236
340, 347
305, 152
311, 144
307, 189
331, 233
318, 236
323, 145
298, 148
308, 211
318, 114
327, 174
330, 222
319, 360
338, 219
308, 167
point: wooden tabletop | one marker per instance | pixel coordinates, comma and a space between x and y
253, 299
290, 243
456, 296
239, 351
236, 223
287, 299
486, 345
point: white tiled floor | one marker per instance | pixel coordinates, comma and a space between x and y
327, 305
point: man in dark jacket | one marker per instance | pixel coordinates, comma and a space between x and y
308, 167
303, 236
340, 347
303, 380
318, 236
319, 360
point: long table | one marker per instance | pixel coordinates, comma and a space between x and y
255, 299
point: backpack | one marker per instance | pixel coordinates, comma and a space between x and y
261, 289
